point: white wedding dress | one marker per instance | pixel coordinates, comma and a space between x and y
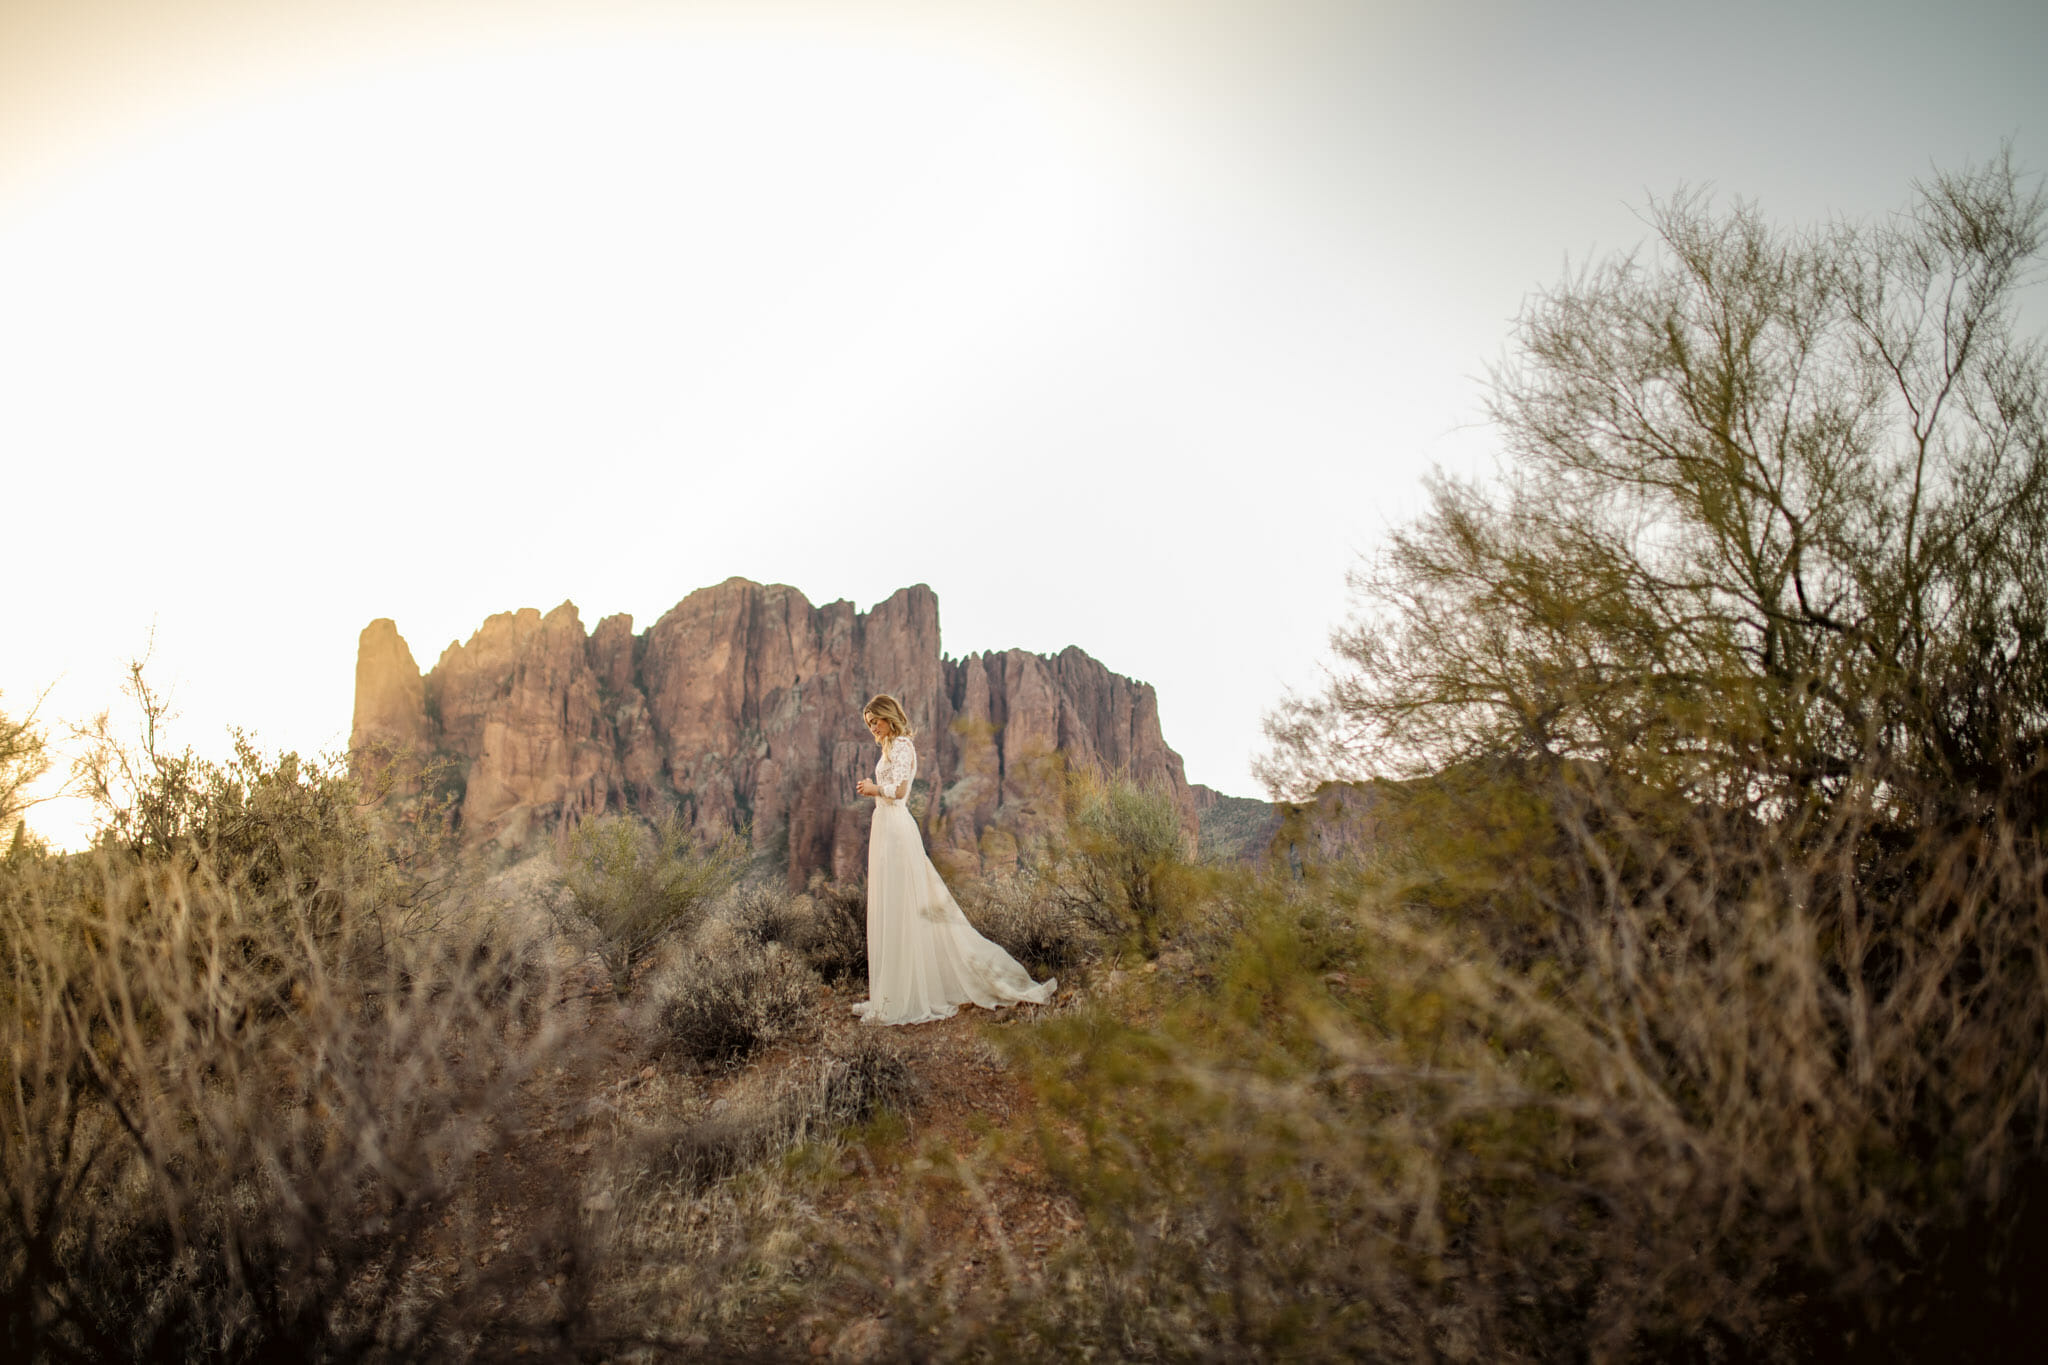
924, 959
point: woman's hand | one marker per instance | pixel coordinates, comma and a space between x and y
868, 788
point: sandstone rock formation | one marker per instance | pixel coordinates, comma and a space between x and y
741, 708
391, 714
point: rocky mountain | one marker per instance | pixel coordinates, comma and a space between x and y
1235, 828
741, 708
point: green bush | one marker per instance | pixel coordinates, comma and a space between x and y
1120, 864
627, 887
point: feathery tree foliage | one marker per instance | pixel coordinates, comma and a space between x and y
1777, 511
1723, 719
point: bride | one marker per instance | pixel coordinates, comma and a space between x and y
924, 959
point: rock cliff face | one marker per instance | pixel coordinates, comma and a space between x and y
1236, 828
741, 707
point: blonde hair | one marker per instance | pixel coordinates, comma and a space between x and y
889, 711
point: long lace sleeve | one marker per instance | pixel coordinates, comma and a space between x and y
893, 773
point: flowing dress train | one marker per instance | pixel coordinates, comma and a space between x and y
924, 959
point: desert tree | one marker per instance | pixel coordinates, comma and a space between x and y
1775, 506
24, 757
1716, 730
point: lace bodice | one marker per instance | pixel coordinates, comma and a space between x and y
896, 767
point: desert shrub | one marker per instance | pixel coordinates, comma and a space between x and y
225, 1140
295, 841
1120, 862
1223, 1218
718, 1006
255, 1050
1048, 938
1718, 869
861, 1076
833, 936
807, 1102
1243, 1191
1711, 1120
627, 887
272, 823
1222, 903
763, 912
722, 1220
826, 925
1805, 1059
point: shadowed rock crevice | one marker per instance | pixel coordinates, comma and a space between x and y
741, 706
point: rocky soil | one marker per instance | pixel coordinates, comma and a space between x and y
597, 1127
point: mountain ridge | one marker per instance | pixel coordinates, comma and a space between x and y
740, 707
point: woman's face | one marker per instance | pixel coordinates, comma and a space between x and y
877, 727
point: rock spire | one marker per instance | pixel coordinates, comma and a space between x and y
741, 708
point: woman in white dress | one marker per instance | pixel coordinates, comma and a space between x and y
924, 959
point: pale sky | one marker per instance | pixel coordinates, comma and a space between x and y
1122, 326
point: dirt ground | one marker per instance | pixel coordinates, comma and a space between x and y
1005, 1219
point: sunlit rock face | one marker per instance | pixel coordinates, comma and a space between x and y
522, 705
390, 712
740, 709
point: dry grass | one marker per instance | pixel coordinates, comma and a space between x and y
1566, 1070
1764, 1095
728, 997
237, 1119
808, 1101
